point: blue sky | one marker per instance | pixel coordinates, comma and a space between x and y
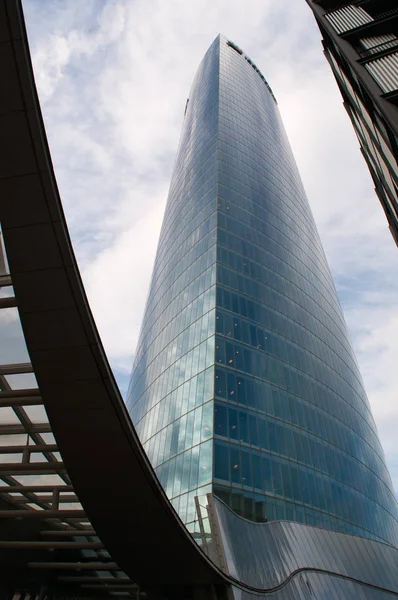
113, 77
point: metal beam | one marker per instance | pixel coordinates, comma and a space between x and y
5, 280
8, 302
51, 545
24, 489
97, 586
46, 499
16, 369
17, 393
42, 514
14, 486
87, 579
39, 468
17, 429
79, 566
68, 533
21, 401
31, 448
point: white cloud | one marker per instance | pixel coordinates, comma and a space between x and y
117, 281
114, 76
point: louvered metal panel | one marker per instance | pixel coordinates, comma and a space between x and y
347, 18
385, 71
377, 43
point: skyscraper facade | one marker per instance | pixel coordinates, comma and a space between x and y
360, 40
245, 382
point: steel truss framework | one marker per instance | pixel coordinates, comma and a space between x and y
35, 487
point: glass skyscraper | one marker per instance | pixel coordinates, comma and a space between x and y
245, 382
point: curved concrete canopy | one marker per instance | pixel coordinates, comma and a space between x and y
111, 474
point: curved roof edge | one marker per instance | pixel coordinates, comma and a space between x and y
104, 458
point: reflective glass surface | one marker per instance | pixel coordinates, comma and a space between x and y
171, 393
245, 381
266, 556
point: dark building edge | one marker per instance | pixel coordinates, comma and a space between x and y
331, 40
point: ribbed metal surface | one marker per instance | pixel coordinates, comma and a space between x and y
385, 71
377, 43
320, 586
265, 555
347, 18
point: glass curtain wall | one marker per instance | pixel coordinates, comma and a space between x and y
171, 392
245, 382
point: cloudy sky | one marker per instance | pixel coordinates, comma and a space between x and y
113, 77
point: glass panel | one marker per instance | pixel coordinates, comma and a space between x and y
13, 348
8, 416
7, 292
39, 479
37, 414
24, 381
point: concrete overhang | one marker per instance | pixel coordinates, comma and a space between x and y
104, 459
